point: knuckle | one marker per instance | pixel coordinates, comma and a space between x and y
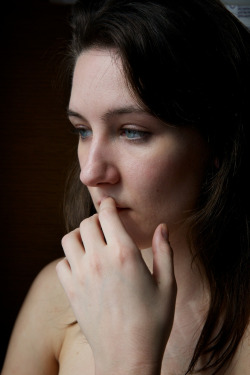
95, 265
86, 222
125, 255
122, 257
83, 225
65, 240
70, 291
80, 276
59, 267
93, 220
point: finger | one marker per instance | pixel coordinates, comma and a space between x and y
111, 224
64, 272
91, 234
73, 247
163, 265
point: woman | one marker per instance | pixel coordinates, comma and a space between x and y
157, 280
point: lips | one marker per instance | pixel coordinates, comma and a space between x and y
120, 207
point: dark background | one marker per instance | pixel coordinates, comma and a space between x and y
36, 148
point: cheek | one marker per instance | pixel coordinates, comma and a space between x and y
174, 180
157, 171
81, 154
149, 180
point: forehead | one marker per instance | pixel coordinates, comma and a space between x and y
99, 77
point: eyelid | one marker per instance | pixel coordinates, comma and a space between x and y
135, 127
78, 125
76, 122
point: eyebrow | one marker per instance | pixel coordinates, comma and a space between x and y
112, 112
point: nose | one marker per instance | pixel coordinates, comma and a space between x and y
98, 163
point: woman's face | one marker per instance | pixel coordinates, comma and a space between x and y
151, 169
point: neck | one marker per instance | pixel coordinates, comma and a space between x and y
191, 283
191, 304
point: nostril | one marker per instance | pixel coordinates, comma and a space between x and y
99, 173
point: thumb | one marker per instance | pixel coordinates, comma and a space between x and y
163, 265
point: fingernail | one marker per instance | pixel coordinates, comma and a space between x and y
164, 231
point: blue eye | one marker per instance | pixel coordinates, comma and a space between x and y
83, 133
134, 134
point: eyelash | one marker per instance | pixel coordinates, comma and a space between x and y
79, 131
141, 136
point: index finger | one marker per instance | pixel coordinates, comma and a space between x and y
111, 224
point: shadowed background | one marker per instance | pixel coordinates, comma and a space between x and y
36, 148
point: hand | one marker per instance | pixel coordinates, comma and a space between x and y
125, 312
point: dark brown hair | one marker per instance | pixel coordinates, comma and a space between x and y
188, 62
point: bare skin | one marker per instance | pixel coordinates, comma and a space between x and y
106, 283
44, 342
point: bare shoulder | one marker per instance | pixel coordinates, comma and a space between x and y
47, 293
40, 327
47, 290
46, 299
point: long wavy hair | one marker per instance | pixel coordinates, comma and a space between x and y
188, 62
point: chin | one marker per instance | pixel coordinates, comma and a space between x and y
137, 231
142, 240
